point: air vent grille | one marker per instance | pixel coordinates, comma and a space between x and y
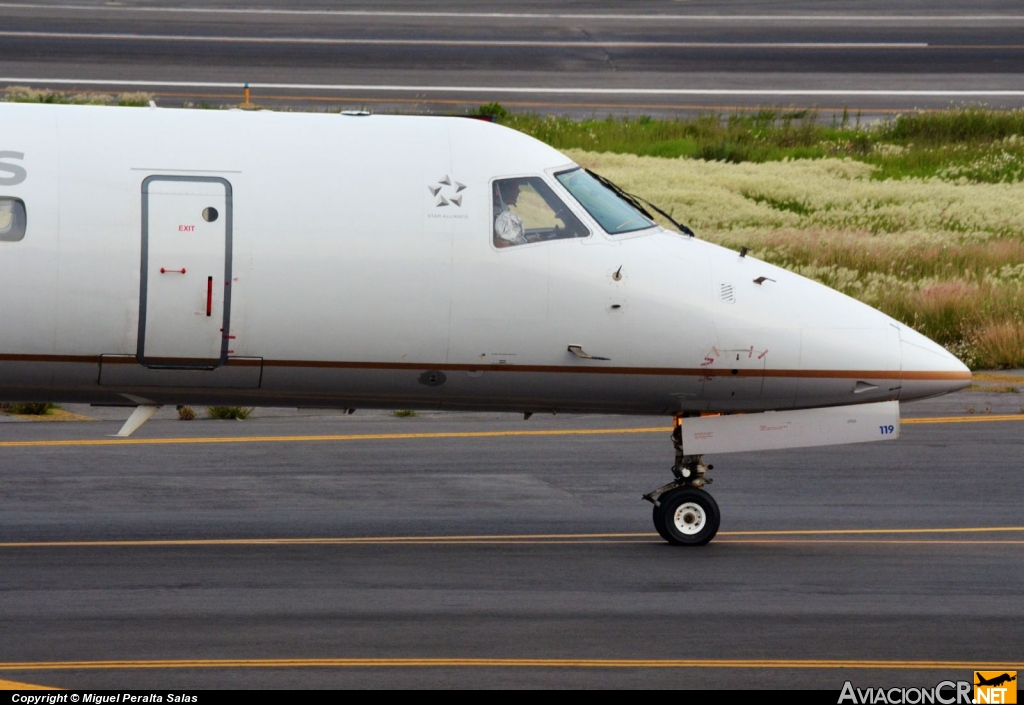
726, 292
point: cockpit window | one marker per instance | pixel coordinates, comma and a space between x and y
611, 212
12, 219
527, 210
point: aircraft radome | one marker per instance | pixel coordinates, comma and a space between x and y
153, 256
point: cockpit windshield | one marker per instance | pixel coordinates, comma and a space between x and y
608, 209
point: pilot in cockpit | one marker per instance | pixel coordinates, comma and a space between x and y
508, 225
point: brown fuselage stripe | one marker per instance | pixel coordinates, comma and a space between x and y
560, 369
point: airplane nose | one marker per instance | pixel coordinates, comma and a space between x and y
928, 369
841, 350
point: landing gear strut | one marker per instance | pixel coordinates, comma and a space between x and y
684, 513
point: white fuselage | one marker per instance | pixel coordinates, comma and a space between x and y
329, 276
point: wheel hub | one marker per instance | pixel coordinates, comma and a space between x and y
689, 518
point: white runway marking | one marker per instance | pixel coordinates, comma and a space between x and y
545, 90
464, 42
892, 19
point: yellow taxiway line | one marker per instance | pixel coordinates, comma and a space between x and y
410, 436
14, 685
977, 418
833, 532
881, 542
793, 536
349, 437
505, 663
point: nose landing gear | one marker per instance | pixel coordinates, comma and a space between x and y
684, 513
686, 516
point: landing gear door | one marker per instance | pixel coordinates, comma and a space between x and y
185, 301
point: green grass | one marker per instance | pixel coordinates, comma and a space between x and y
993, 389
403, 413
28, 408
237, 413
974, 144
790, 205
24, 94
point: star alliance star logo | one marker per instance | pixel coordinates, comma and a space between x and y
447, 184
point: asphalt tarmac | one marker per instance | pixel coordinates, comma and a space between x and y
314, 550
577, 58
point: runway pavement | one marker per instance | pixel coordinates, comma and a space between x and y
580, 58
481, 550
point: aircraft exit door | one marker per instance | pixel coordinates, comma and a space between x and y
185, 303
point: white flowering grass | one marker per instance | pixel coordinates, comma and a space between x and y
25, 94
946, 257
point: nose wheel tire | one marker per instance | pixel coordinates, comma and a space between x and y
687, 516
